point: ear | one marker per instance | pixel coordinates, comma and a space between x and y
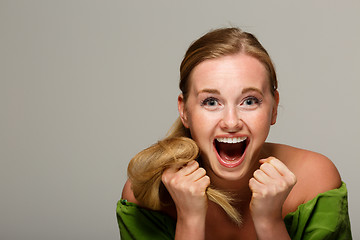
182, 111
275, 108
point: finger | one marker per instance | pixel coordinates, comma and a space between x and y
279, 165
261, 177
204, 182
198, 188
170, 170
197, 174
189, 168
254, 185
283, 170
270, 170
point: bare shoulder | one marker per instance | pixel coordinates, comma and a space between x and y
128, 194
315, 172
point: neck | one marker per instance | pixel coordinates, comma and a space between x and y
238, 189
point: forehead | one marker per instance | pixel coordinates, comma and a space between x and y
234, 71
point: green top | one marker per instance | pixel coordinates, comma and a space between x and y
324, 217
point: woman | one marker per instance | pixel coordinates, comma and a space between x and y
227, 104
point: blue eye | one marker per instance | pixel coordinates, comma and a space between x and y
210, 102
251, 102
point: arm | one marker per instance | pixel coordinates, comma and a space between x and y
136, 222
187, 187
128, 194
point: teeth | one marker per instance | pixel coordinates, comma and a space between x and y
231, 140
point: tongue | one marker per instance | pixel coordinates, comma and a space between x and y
230, 151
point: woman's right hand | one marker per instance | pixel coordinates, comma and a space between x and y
187, 187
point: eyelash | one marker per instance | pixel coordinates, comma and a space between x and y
244, 104
207, 100
256, 100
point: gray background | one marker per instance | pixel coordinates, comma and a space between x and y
84, 85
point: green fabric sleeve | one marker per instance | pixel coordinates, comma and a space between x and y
139, 223
324, 217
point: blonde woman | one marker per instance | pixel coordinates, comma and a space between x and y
215, 176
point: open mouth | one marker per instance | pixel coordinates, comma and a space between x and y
230, 151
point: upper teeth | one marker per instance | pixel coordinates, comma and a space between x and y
231, 140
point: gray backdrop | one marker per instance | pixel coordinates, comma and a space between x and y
84, 85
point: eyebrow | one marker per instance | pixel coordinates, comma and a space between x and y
245, 90
252, 89
209, 90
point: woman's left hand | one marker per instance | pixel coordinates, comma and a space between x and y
270, 186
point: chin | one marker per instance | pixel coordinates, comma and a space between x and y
233, 174
217, 172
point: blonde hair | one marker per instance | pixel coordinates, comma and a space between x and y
177, 149
223, 42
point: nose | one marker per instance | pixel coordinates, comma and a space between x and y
231, 121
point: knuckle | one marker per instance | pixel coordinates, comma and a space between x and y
270, 190
273, 160
293, 179
192, 165
251, 181
196, 164
164, 178
269, 160
265, 166
257, 173
282, 185
206, 180
264, 192
172, 182
202, 171
191, 189
194, 190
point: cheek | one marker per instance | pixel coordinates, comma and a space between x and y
201, 125
259, 122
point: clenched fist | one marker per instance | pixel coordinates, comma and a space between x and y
187, 187
270, 186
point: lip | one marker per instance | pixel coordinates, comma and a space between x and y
230, 136
230, 164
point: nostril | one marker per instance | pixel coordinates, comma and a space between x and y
231, 125
231, 120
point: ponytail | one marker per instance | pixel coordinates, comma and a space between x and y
177, 149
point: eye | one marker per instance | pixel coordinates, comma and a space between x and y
251, 102
210, 102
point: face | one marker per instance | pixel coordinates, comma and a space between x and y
229, 111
